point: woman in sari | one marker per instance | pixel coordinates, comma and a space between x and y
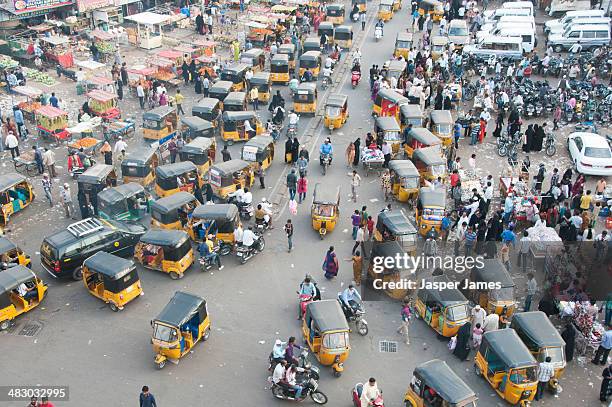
330, 264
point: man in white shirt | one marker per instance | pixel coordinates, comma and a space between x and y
248, 75
386, 150
238, 235
290, 374
478, 316
488, 196
293, 119
247, 197
248, 237
576, 220
120, 146
12, 144
248, 129
141, 95
161, 89
524, 246
369, 392
25, 292
238, 194
279, 372
351, 297
460, 234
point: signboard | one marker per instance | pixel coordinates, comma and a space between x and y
87, 5
28, 6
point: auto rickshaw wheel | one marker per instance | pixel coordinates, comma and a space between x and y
113, 306
230, 142
174, 275
160, 365
206, 335
477, 370
77, 274
337, 373
4, 325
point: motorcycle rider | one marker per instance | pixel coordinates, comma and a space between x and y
293, 119
307, 76
351, 299
327, 72
267, 208
259, 215
293, 84
302, 164
369, 393
329, 62
326, 149
289, 351
242, 197
307, 287
278, 351
248, 237
279, 371
292, 383
207, 252
357, 57
278, 115
238, 233
380, 24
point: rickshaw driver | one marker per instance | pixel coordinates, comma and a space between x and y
326, 149
248, 129
27, 293
351, 299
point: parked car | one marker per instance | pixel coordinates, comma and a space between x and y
590, 153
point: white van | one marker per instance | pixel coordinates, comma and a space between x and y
588, 36
519, 4
509, 20
524, 31
497, 14
500, 47
569, 16
580, 21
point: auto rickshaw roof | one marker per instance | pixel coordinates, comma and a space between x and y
309, 55
326, 194
235, 97
253, 52
397, 222
236, 68
336, 100
196, 123
386, 2
309, 87
328, 315
172, 202
446, 297
110, 265
440, 377
311, 41
422, 135
280, 59
344, 29
404, 168
207, 104
198, 145
441, 117
140, 156
180, 309
231, 166
387, 249
428, 197
216, 212
261, 77
439, 41
429, 155
173, 170
411, 110
261, 142
404, 36
397, 65
387, 123
235, 116
434, 3
165, 237
509, 347
288, 47
326, 25
537, 326
120, 192
11, 278
223, 85
159, 113
95, 174
6, 245
335, 6
393, 96
493, 271
10, 179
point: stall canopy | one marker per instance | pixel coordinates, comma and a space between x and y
51, 112
101, 95
102, 35
169, 54
27, 91
91, 65
101, 81
55, 40
142, 70
148, 18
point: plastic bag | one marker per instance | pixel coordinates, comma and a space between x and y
293, 207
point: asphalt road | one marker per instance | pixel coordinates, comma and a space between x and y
106, 357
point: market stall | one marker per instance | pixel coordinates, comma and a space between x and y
52, 123
139, 75
97, 82
186, 49
103, 104
469, 182
32, 102
57, 49
91, 68
147, 33
205, 47
104, 41
165, 71
171, 55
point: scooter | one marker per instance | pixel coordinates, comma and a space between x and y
355, 78
325, 160
378, 33
356, 393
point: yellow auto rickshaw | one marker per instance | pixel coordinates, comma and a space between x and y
334, 13
326, 332
235, 102
388, 103
446, 309
97, 178
438, 47
336, 111
311, 61
179, 327
219, 90
172, 212
12, 255
327, 28
388, 276
343, 36
361, 5
397, 5
385, 10
435, 384
305, 98
255, 58
228, 176
390, 130
403, 44
112, 279
405, 180
259, 149
311, 44
173, 178
498, 299
261, 81
198, 151
13, 300
542, 339
233, 127
219, 220
395, 226
159, 123
430, 163
168, 251
16, 193
208, 109
411, 114
441, 124
139, 166
193, 127
235, 74
279, 69
434, 8
125, 202
430, 209
396, 69
325, 209
506, 363
420, 137
289, 50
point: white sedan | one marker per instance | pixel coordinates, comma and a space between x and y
590, 153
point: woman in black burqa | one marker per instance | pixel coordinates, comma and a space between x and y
357, 144
462, 348
569, 336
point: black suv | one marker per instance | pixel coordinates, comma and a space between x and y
62, 254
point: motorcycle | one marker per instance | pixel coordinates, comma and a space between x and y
245, 253
206, 263
549, 144
326, 82
309, 388
291, 130
310, 371
245, 211
325, 160
304, 301
355, 315
355, 78
378, 33
356, 393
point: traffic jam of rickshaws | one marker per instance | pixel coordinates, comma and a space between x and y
177, 180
